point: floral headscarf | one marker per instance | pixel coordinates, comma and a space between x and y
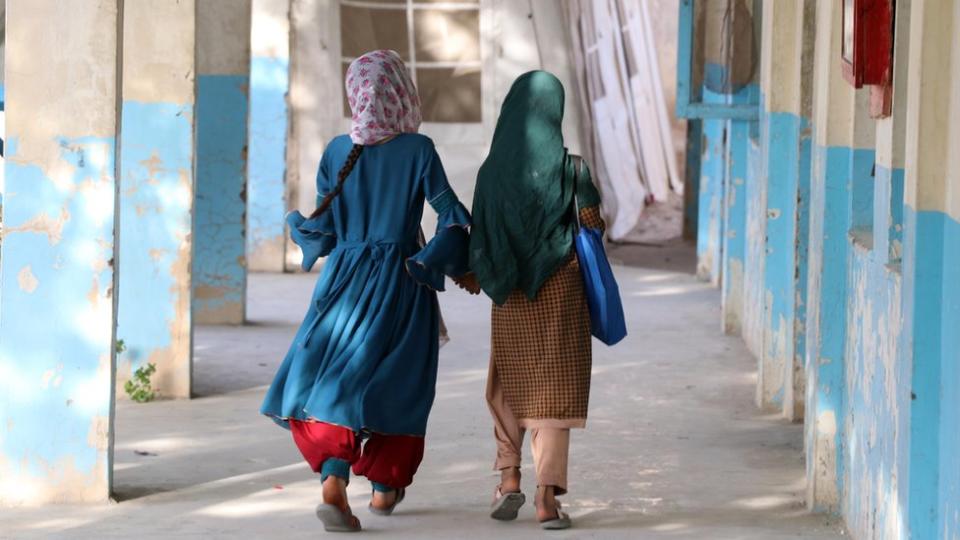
382, 97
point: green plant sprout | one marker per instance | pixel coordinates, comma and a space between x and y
138, 388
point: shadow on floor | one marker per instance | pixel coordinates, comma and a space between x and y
674, 255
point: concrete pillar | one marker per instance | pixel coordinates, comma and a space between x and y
315, 83
223, 68
734, 242
712, 150
863, 144
795, 376
269, 84
891, 146
156, 194
931, 258
57, 311
833, 100
780, 384
741, 138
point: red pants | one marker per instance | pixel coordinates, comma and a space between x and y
390, 460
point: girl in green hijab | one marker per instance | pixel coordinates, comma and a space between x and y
522, 253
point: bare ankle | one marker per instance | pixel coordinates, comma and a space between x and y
510, 479
384, 499
546, 502
335, 492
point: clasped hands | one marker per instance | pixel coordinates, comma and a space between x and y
468, 282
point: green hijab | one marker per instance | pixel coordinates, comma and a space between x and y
523, 222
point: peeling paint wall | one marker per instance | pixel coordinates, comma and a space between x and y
877, 383
57, 288
156, 195
219, 229
269, 84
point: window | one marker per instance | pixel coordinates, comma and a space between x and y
438, 40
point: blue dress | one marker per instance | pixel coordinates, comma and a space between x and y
365, 356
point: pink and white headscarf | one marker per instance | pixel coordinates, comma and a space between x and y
382, 97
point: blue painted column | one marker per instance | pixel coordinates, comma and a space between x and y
788, 31
828, 261
57, 278
735, 212
223, 80
710, 203
926, 300
156, 196
781, 145
269, 84
931, 271
826, 321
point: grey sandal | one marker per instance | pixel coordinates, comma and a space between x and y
401, 493
336, 520
562, 521
506, 506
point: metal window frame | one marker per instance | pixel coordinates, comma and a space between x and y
686, 107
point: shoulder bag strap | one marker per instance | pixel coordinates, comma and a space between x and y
578, 167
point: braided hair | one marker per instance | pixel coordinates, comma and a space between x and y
341, 178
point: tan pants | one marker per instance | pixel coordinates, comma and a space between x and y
550, 445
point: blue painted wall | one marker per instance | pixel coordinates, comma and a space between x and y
219, 265
55, 377
269, 82
156, 203
862, 193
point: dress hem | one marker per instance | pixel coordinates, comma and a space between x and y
312, 419
552, 423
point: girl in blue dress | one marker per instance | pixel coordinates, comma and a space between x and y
357, 384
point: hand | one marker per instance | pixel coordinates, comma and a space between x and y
468, 282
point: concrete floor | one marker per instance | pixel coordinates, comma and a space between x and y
674, 446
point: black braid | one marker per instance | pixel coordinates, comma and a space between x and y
341, 178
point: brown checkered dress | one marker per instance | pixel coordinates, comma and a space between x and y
541, 349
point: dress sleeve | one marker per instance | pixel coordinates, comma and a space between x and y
448, 252
315, 236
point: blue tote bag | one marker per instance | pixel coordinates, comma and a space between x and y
607, 322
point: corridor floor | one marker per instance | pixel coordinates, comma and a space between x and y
674, 446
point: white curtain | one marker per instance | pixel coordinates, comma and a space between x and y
617, 72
